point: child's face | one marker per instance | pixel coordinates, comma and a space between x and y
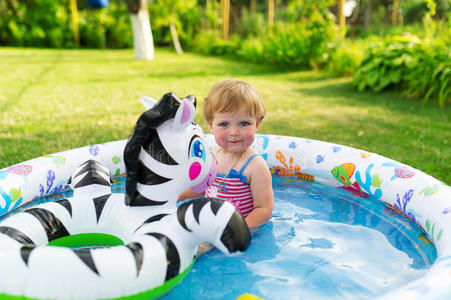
234, 131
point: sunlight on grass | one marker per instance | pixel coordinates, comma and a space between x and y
53, 100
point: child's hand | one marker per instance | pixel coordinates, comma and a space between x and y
204, 247
189, 194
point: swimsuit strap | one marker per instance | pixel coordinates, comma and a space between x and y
247, 163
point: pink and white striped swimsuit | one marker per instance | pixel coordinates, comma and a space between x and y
234, 189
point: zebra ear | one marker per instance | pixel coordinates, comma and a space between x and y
148, 102
184, 116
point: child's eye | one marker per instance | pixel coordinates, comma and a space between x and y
222, 124
245, 123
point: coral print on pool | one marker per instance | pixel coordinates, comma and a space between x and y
164, 155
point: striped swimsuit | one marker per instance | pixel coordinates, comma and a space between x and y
234, 189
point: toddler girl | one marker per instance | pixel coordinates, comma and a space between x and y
234, 111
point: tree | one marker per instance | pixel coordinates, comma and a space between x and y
225, 14
341, 17
142, 34
168, 13
270, 13
394, 15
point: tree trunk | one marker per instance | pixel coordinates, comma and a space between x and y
74, 17
394, 15
341, 16
175, 39
225, 13
366, 13
253, 7
142, 34
270, 13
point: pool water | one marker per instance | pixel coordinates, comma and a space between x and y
321, 243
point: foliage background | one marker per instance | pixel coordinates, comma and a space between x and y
304, 36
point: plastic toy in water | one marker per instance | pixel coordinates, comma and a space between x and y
164, 155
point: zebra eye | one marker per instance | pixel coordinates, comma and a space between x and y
197, 149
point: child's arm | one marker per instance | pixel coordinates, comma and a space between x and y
261, 188
189, 194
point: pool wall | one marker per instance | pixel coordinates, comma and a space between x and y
423, 199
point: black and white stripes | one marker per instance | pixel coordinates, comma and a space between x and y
165, 155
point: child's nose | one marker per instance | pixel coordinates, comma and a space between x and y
234, 130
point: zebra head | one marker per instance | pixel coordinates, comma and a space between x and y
166, 153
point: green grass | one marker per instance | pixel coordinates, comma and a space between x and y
54, 100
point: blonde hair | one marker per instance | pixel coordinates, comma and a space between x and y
230, 95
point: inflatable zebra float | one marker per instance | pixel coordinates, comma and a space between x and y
164, 155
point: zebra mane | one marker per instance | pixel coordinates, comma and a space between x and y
142, 136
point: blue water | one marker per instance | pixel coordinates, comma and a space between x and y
321, 243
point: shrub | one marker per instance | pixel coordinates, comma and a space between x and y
47, 23
252, 49
92, 30
251, 24
347, 57
39, 23
294, 45
209, 42
387, 63
101, 28
421, 68
431, 79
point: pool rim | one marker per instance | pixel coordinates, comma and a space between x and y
315, 158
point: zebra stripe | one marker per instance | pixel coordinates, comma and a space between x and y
138, 254
172, 254
236, 236
152, 219
147, 176
197, 204
99, 204
53, 227
91, 166
140, 200
92, 178
25, 252
155, 148
16, 235
94, 173
85, 255
66, 204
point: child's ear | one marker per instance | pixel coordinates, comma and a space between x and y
210, 126
257, 125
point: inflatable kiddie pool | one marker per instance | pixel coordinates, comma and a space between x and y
406, 191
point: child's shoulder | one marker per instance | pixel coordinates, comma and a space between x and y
257, 163
258, 160
258, 171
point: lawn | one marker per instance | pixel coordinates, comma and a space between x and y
54, 100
